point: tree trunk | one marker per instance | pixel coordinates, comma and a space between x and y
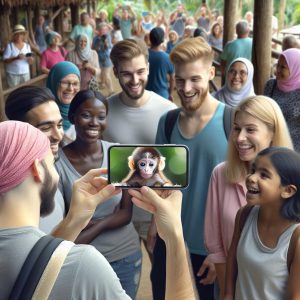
74, 14
262, 43
230, 11
281, 15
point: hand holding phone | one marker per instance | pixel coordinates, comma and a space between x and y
156, 166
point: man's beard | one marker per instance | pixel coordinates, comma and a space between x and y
129, 95
47, 193
190, 107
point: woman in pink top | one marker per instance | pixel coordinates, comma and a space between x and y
54, 53
258, 124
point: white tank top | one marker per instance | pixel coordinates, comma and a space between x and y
262, 271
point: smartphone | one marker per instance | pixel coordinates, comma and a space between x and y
29, 54
156, 166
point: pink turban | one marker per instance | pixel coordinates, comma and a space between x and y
20, 145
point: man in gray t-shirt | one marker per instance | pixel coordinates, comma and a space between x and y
134, 113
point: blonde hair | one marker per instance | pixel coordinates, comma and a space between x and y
190, 50
127, 50
267, 111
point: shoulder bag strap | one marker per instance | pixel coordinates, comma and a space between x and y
33, 268
52, 270
171, 118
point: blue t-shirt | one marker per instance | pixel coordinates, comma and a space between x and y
160, 67
207, 149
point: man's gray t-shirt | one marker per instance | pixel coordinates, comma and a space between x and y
135, 125
48, 223
85, 274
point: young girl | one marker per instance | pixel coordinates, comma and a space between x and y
264, 257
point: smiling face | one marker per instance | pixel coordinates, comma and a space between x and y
237, 76
68, 88
90, 120
282, 69
133, 76
263, 183
250, 136
47, 118
82, 43
192, 83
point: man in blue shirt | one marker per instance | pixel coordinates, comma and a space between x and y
200, 127
161, 72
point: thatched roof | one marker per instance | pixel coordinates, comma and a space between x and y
39, 3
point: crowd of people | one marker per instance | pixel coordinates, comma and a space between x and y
233, 233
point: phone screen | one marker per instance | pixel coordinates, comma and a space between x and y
156, 166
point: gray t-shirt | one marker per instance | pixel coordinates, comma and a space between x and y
135, 125
85, 274
48, 223
114, 244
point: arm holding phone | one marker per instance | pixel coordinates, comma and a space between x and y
120, 217
166, 211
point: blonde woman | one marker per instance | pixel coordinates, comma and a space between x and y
258, 124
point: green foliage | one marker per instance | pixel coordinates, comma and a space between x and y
296, 15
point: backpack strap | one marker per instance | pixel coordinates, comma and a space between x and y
171, 118
228, 119
33, 268
173, 114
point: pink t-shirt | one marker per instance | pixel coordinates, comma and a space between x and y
50, 57
223, 202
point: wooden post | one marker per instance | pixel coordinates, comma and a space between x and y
262, 43
281, 16
5, 26
230, 12
74, 14
58, 22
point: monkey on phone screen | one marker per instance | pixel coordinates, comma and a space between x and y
146, 166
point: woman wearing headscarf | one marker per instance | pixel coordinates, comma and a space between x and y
85, 59
238, 84
54, 52
285, 90
64, 82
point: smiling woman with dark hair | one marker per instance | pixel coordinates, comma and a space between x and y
110, 230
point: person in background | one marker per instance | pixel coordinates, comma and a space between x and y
83, 27
173, 39
240, 47
54, 53
285, 90
146, 23
39, 33
238, 83
127, 19
290, 41
85, 59
110, 231
64, 82
116, 34
161, 71
258, 124
203, 17
201, 32
249, 18
17, 57
177, 20
102, 44
215, 37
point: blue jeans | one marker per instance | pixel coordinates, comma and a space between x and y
128, 270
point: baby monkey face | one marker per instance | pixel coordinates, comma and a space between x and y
147, 166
